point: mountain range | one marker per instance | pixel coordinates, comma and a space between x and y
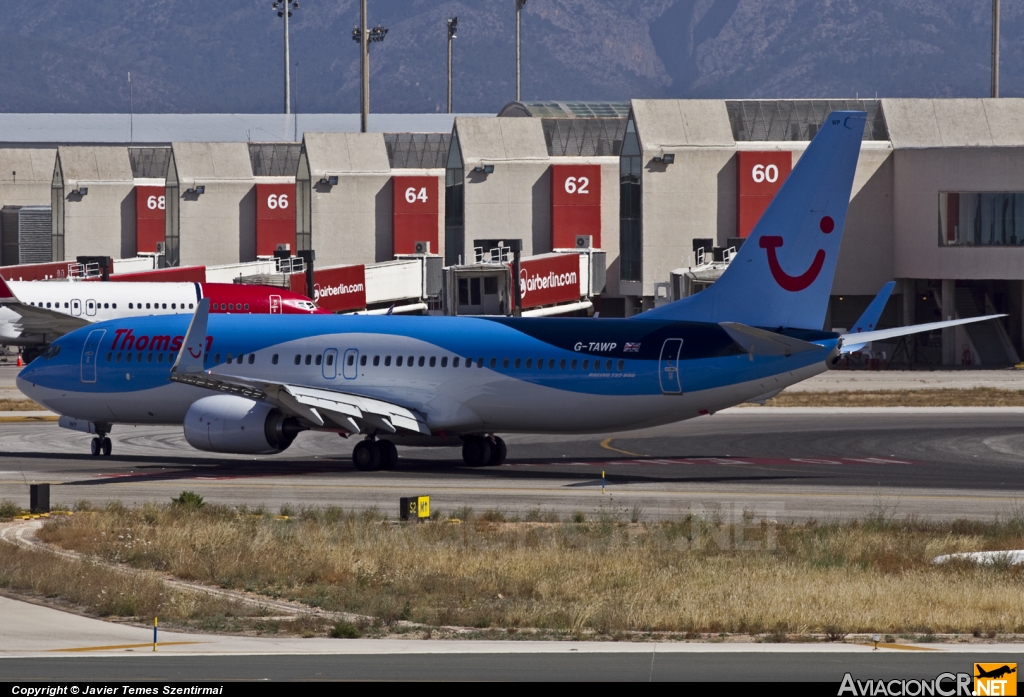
191, 56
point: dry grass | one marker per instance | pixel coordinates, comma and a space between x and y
946, 397
20, 405
604, 577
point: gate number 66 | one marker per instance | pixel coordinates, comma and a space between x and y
762, 173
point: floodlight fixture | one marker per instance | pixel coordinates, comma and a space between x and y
80, 191
484, 169
329, 181
453, 28
196, 190
666, 159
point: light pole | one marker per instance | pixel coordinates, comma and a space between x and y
519, 10
995, 48
364, 38
453, 28
284, 10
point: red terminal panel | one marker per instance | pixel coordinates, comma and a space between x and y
275, 218
150, 211
338, 289
575, 204
415, 212
759, 177
549, 279
36, 272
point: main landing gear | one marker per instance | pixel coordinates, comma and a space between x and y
101, 445
371, 455
483, 451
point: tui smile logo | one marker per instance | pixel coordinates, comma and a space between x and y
795, 284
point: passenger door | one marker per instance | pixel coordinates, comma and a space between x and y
275, 304
331, 364
668, 366
90, 308
351, 368
76, 308
90, 352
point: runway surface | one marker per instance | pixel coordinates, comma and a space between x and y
776, 463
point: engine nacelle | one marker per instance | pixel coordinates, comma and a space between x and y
225, 423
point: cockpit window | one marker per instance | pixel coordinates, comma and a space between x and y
52, 352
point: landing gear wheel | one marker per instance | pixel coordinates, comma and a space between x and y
95, 447
388, 454
476, 451
498, 452
107, 446
366, 456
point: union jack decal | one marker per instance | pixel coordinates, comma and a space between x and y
631, 347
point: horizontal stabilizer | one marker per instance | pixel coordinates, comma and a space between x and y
857, 340
765, 343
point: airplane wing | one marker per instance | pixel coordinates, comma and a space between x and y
858, 340
38, 321
765, 343
320, 407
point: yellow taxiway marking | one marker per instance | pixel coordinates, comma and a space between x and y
899, 647
126, 646
26, 419
607, 445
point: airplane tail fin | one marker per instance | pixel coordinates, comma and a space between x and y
869, 320
190, 358
782, 275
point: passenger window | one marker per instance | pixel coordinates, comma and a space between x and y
131, 306
518, 360
247, 306
309, 358
165, 306
387, 361
444, 361
113, 305
351, 359
231, 306
174, 306
118, 360
573, 364
110, 355
216, 358
298, 359
128, 357
608, 365
47, 304
376, 361
455, 362
149, 357
362, 359
398, 361
147, 306
411, 361
586, 365
551, 363
160, 358
480, 362
504, 362
622, 365
273, 359
242, 356
230, 357
494, 363
540, 364
320, 359
190, 306
106, 306
561, 364
529, 363
422, 360
66, 305
433, 361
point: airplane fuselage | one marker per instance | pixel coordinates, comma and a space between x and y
464, 375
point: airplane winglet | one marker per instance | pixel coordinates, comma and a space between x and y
869, 320
190, 357
6, 294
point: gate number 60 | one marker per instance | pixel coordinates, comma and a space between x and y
762, 173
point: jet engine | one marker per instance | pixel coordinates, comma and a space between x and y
228, 424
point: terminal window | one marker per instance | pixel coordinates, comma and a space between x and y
979, 218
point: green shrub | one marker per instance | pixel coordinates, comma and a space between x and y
189, 500
344, 630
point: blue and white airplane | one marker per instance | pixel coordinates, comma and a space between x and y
251, 384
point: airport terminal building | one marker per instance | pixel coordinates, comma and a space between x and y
648, 195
